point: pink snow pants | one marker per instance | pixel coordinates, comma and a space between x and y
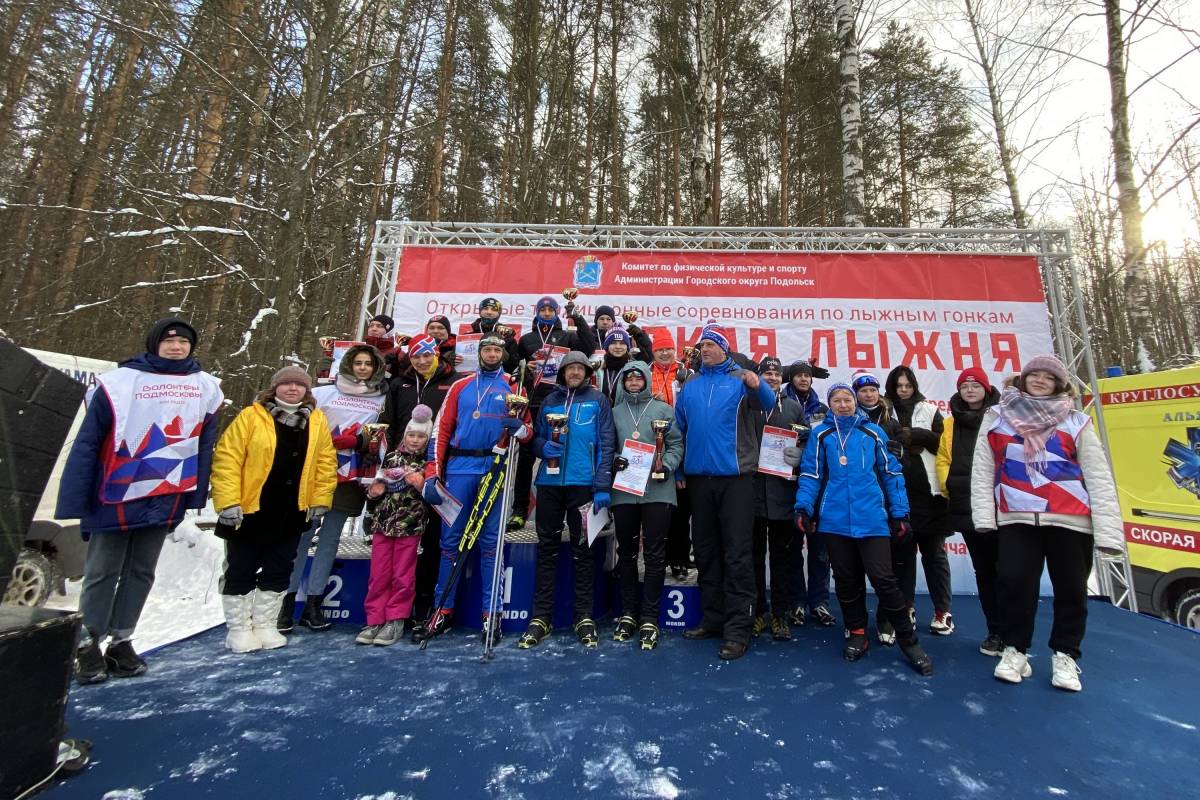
392, 585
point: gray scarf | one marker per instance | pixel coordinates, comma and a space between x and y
297, 418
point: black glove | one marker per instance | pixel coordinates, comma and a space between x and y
820, 373
803, 522
904, 436
620, 463
901, 529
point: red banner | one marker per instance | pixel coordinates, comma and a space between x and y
938, 313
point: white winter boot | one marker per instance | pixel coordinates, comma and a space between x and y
241, 638
266, 612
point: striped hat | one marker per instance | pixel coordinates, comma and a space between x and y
715, 334
422, 345
840, 386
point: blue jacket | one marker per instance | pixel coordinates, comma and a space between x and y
856, 499
717, 415
79, 490
588, 445
810, 405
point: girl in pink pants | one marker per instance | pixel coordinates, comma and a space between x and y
399, 523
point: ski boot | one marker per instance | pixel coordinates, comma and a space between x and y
538, 629
857, 644
626, 628
433, 627
780, 631
491, 622
760, 625
648, 635
917, 657
515, 523
887, 633
585, 631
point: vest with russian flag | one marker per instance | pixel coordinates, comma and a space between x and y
157, 419
347, 413
1058, 488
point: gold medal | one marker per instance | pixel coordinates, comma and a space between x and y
842, 460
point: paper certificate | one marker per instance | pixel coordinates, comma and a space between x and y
770, 454
633, 479
595, 521
450, 507
467, 346
548, 368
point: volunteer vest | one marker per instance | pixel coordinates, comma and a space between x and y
155, 444
1059, 489
347, 414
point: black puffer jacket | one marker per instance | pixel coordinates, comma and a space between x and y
964, 430
581, 339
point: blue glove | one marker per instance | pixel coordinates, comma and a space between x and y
552, 449
600, 500
430, 493
511, 423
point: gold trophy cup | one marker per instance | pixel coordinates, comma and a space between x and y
660, 426
569, 294
558, 429
630, 317
503, 330
515, 404
327, 345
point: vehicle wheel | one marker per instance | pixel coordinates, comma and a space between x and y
1187, 609
32, 580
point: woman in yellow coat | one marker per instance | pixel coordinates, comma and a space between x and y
274, 471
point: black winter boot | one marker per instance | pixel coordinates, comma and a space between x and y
917, 657
123, 661
856, 644
90, 666
311, 617
287, 614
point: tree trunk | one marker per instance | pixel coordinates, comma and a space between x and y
850, 111
1001, 127
445, 85
702, 118
1137, 296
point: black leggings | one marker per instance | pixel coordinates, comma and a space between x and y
855, 559
252, 563
646, 524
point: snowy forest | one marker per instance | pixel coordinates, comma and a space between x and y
227, 160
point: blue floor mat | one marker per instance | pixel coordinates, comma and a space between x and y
324, 718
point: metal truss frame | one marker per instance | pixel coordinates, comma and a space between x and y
1052, 247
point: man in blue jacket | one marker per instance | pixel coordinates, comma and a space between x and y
584, 461
717, 413
141, 459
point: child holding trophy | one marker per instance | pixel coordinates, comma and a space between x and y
643, 498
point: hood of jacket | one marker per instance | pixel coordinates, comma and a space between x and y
574, 357
634, 398
346, 368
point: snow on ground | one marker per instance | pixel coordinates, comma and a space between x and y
185, 599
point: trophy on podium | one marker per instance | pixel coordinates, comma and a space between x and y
515, 405
327, 345
558, 428
569, 294
630, 317
660, 426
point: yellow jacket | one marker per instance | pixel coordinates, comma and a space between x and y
945, 448
246, 450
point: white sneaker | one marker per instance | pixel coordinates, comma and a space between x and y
1066, 673
942, 624
1014, 666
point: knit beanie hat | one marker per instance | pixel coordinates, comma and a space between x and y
492, 303
291, 374
164, 328
770, 363
863, 378
605, 311
662, 339
616, 334
1048, 363
384, 320
714, 333
421, 420
444, 321
837, 387
974, 374
422, 345
543, 302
